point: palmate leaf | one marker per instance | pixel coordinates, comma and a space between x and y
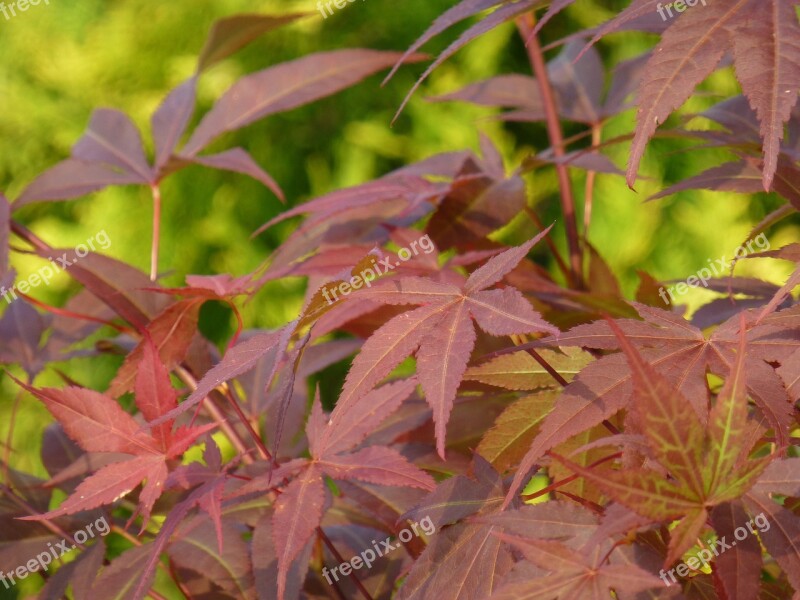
726, 423
155, 395
21, 329
782, 539
462, 562
376, 464
94, 421
125, 575
113, 482
577, 85
475, 206
574, 575
265, 563
644, 491
762, 36
333, 451
170, 120
301, 505
238, 160
441, 361
770, 75
693, 46
568, 523
671, 431
199, 560
681, 353
442, 331
81, 574
98, 424
705, 465
71, 178
456, 14
481, 573
357, 422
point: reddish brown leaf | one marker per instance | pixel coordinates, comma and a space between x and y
239, 161
234, 33
506, 312
72, 178
298, 512
506, 443
781, 534
94, 421
169, 121
442, 359
171, 332
573, 575
463, 562
740, 566
113, 139
379, 465
499, 266
113, 482
239, 359
155, 395
284, 87
359, 420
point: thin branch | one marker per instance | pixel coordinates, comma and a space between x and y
557, 484
591, 177
564, 383
73, 315
19, 501
262, 447
340, 558
156, 191
526, 24
549, 241
229, 431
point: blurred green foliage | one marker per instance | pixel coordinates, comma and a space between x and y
63, 60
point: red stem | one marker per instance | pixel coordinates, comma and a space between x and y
564, 383
569, 479
156, 231
526, 24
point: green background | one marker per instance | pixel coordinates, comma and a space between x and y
60, 61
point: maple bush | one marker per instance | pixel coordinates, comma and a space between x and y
536, 434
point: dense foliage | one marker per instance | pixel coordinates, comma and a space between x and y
503, 431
